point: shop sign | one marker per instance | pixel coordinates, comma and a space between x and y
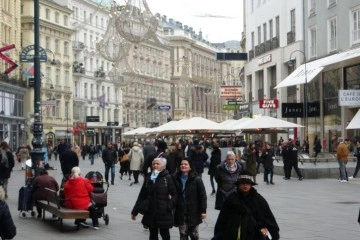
230, 91
349, 97
292, 110
228, 107
269, 103
265, 59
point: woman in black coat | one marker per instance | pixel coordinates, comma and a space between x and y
215, 160
191, 207
156, 201
7, 162
246, 215
7, 226
199, 158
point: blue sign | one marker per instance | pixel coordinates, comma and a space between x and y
164, 107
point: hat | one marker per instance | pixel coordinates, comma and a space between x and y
245, 177
135, 144
162, 145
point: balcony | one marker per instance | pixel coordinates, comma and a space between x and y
78, 68
262, 48
267, 45
274, 42
257, 51
99, 73
78, 46
290, 37
251, 54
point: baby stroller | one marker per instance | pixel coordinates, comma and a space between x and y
98, 181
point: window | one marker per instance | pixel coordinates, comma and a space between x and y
47, 14
66, 79
66, 109
91, 42
85, 90
252, 6
92, 91
66, 48
66, 21
84, 16
57, 77
47, 43
355, 25
277, 26
76, 89
312, 7
292, 20
271, 30
57, 46
313, 42
57, 17
332, 34
108, 94
102, 23
259, 35
96, 21
56, 110
331, 3
265, 33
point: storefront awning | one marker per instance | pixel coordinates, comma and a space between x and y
315, 67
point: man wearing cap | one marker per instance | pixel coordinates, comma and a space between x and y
161, 151
246, 214
342, 153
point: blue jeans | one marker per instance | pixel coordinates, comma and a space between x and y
107, 168
342, 168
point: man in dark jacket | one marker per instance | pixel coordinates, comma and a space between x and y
246, 214
68, 160
39, 184
7, 226
290, 156
215, 160
7, 163
109, 156
199, 158
161, 151
148, 149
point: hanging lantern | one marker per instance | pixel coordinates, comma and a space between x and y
135, 22
113, 47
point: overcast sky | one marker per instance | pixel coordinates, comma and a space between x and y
219, 21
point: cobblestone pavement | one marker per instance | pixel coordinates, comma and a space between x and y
310, 209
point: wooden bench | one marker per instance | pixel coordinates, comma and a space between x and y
52, 205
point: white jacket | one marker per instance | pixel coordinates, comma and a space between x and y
136, 157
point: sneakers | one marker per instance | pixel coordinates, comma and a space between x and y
301, 178
84, 224
96, 227
351, 177
343, 180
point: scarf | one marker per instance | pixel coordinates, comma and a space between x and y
184, 179
154, 175
231, 169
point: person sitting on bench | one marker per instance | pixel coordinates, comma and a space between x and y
39, 184
77, 196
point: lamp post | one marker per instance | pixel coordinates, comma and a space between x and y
37, 141
305, 113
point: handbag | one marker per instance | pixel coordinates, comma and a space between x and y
99, 199
124, 158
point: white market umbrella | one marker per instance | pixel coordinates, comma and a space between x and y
266, 122
355, 122
165, 127
138, 131
191, 125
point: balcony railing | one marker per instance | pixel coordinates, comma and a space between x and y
290, 37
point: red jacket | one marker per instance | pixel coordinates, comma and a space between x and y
77, 193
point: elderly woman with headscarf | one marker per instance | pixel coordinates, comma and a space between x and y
156, 201
225, 175
77, 196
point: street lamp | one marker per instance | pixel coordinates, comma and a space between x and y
53, 61
291, 63
37, 154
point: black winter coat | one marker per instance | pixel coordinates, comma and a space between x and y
199, 159
5, 172
154, 203
268, 159
7, 226
192, 201
225, 181
68, 160
252, 218
215, 160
